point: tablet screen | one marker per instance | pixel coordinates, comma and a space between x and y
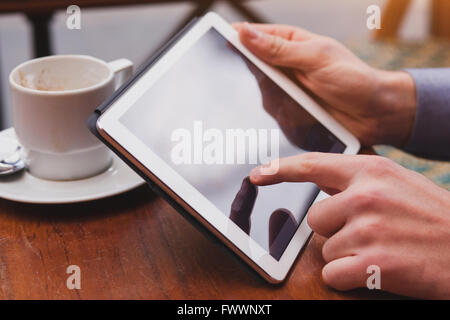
213, 116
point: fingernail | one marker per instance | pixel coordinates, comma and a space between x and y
252, 33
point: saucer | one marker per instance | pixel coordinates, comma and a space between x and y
23, 187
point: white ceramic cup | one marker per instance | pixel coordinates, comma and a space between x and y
52, 97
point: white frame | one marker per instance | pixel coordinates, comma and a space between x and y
109, 127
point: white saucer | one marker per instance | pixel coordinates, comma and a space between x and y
24, 187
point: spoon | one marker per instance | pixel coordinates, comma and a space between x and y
11, 160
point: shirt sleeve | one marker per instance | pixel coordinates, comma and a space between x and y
431, 132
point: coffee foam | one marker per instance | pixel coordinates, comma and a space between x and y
40, 82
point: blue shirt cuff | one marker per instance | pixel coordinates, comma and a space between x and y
430, 137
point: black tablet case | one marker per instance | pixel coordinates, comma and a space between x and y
92, 121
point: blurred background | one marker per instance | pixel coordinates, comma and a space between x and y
414, 33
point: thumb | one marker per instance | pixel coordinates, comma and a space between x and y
274, 49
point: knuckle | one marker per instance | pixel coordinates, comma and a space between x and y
325, 44
375, 256
367, 230
389, 263
362, 201
308, 163
367, 199
379, 166
306, 167
324, 47
276, 48
379, 257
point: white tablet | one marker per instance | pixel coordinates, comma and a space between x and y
195, 123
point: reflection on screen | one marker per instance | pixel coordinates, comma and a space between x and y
213, 88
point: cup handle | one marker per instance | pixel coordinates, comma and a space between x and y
123, 69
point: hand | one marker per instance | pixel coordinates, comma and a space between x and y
379, 214
377, 106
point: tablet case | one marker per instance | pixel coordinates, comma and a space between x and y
92, 121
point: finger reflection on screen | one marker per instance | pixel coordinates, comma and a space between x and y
282, 224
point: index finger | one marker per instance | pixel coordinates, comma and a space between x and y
329, 170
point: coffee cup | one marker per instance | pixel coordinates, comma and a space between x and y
52, 97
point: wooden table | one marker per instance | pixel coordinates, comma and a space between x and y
135, 246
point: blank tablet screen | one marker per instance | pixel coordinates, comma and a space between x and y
213, 116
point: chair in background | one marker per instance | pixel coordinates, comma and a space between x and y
395, 11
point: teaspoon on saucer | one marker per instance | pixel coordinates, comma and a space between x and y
10, 155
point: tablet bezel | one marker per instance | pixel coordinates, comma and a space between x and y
109, 126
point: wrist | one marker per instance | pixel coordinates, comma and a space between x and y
395, 99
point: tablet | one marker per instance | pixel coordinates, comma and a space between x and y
197, 119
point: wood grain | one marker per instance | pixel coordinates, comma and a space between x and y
135, 246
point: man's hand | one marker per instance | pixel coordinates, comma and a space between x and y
379, 214
376, 106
